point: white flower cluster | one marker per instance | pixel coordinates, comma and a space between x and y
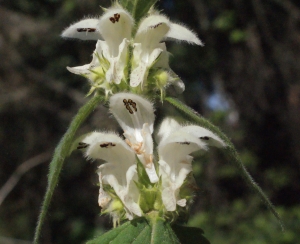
127, 58
138, 178
167, 167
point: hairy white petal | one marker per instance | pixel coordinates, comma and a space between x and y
152, 30
108, 147
80, 70
122, 181
169, 199
138, 75
86, 29
115, 25
179, 144
182, 33
166, 128
152, 173
181, 202
184, 168
205, 135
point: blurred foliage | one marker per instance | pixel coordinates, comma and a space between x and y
250, 59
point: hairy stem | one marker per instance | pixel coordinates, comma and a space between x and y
230, 151
60, 153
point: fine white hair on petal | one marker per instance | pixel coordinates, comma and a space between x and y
108, 147
204, 135
167, 126
182, 33
115, 25
85, 29
151, 21
152, 30
79, 70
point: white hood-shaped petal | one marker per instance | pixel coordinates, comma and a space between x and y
151, 31
205, 135
86, 29
115, 25
136, 117
156, 27
167, 126
176, 143
108, 147
132, 112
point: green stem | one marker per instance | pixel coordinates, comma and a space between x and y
230, 150
61, 152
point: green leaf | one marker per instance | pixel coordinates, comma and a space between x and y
190, 235
139, 231
230, 151
137, 8
61, 152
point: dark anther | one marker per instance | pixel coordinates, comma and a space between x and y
108, 144
184, 143
204, 138
82, 145
86, 29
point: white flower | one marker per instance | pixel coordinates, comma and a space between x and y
119, 171
115, 27
136, 117
176, 143
147, 47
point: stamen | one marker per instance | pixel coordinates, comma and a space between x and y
107, 145
115, 18
129, 109
206, 138
86, 29
129, 103
184, 143
82, 145
155, 26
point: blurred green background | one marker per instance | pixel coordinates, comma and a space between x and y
246, 80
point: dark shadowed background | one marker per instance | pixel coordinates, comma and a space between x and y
246, 80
